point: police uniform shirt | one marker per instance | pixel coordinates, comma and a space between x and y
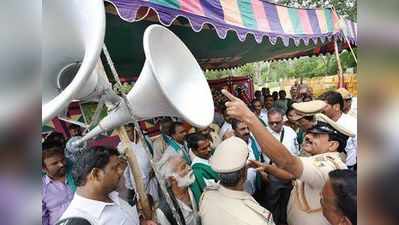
223, 206
304, 205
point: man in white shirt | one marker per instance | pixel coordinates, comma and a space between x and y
97, 172
334, 110
286, 135
255, 153
143, 160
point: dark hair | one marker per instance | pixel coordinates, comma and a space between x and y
309, 118
344, 185
130, 125
289, 109
255, 100
332, 98
341, 139
173, 126
73, 126
194, 138
275, 110
48, 152
230, 179
234, 123
87, 160
268, 96
55, 139
164, 125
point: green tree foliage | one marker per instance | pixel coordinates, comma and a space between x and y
306, 67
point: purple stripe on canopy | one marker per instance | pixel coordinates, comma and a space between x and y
213, 9
314, 22
272, 16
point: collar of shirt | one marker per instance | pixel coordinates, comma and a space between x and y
200, 160
234, 194
331, 154
274, 133
96, 207
48, 180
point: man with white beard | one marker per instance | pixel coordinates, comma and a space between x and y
178, 177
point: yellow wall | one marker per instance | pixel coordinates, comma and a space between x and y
322, 84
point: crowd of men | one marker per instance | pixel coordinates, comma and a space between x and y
276, 161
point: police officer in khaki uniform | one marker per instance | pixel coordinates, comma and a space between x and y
323, 142
227, 203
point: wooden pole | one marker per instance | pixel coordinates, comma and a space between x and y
340, 73
137, 176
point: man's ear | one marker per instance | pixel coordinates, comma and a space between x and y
345, 221
337, 107
333, 146
95, 174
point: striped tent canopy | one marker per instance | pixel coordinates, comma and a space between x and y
224, 34
257, 17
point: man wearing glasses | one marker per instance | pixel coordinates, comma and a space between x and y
286, 135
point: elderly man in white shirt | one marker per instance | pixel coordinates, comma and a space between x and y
97, 173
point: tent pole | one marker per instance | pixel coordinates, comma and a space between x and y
340, 73
340, 22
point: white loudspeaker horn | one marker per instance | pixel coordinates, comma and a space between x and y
171, 83
73, 36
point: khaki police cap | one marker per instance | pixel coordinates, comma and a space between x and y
308, 108
345, 93
319, 128
230, 155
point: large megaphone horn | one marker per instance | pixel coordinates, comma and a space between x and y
171, 83
72, 41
